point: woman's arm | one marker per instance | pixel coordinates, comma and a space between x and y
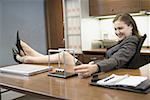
122, 56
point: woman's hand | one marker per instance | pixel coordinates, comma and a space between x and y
85, 70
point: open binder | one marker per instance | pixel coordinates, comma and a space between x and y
136, 84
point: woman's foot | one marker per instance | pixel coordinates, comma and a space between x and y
26, 59
15, 54
28, 50
26, 53
18, 44
29, 59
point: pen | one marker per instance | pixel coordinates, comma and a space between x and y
109, 79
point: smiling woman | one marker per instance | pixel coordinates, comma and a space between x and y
120, 54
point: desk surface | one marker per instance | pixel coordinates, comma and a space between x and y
74, 88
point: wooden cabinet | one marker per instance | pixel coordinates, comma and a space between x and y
63, 21
54, 23
145, 5
110, 7
94, 54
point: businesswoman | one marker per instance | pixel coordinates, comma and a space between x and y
116, 57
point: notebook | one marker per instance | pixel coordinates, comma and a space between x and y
24, 69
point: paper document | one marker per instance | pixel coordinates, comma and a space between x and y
132, 81
122, 80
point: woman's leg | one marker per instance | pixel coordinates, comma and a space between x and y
33, 56
29, 51
54, 58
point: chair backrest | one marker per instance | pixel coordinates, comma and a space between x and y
136, 60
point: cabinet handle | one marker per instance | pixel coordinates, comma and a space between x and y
94, 58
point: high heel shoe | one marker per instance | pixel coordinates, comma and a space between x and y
15, 53
18, 44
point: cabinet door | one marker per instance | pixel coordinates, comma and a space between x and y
145, 5
109, 7
54, 23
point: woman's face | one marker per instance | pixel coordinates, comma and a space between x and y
122, 30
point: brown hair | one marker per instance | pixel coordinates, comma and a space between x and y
127, 18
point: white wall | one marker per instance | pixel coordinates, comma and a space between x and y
89, 31
143, 24
27, 16
107, 29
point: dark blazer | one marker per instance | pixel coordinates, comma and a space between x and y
119, 55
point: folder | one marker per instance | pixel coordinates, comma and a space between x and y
139, 84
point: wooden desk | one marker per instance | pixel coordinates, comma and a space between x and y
99, 54
74, 88
102, 51
145, 51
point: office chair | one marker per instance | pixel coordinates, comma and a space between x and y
138, 60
